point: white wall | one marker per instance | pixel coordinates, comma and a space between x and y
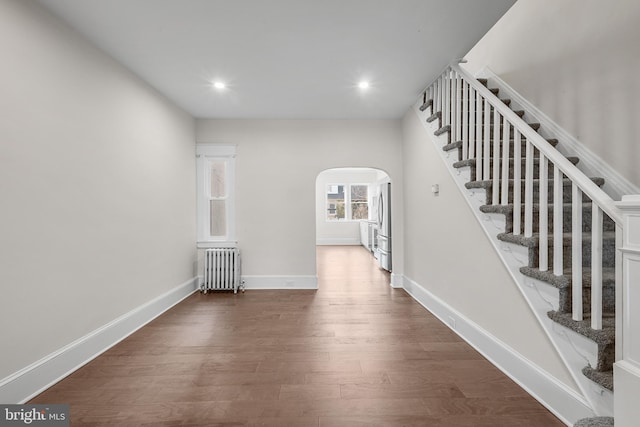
340, 232
97, 177
578, 62
276, 168
448, 254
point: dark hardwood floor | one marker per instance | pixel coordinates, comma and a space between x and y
353, 353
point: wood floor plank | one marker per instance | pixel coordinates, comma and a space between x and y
309, 391
379, 391
356, 352
348, 378
433, 421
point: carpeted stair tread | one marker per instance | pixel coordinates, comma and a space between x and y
523, 145
595, 422
426, 105
604, 336
532, 242
536, 161
442, 130
567, 207
447, 128
508, 209
452, 146
434, 116
523, 140
604, 378
563, 284
463, 163
487, 184
564, 281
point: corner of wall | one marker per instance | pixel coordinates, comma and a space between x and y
35, 378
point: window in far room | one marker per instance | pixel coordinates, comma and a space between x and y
335, 202
215, 194
359, 205
347, 202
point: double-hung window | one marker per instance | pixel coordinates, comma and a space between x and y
215, 173
359, 196
336, 208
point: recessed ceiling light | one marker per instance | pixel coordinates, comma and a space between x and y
219, 85
363, 85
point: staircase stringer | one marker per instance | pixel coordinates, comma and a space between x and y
571, 348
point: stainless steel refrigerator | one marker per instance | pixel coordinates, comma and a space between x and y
384, 226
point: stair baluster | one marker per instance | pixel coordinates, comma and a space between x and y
478, 137
576, 253
558, 219
528, 192
440, 92
596, 267
473, 145
435, 93
517, 178
487, 141
543, 217
506, 134
446, 98
458, 113
496, 158
466, 147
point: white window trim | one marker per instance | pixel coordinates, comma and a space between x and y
347, 201
205, 153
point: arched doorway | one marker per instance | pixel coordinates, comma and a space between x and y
353, 208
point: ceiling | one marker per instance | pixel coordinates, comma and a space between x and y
285, 58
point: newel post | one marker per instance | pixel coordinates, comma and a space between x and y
627, 367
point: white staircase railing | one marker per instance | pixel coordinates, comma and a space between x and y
473, 115
465, 105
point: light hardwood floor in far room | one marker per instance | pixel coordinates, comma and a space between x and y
353, 353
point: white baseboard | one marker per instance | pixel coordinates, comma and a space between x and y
338, 241
558, 398
590, 163
280, 282
37, 377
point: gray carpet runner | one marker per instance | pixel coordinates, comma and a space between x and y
595, 422
602, 373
